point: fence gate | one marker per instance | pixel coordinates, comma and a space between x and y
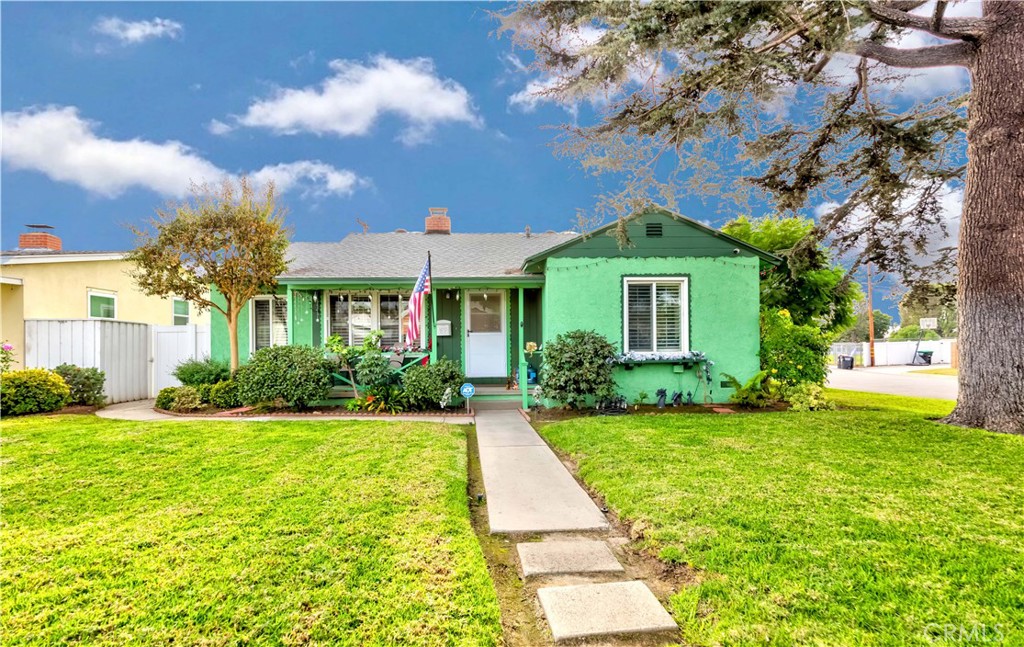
137, 358
173, 345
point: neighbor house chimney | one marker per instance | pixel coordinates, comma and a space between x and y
438, 221
39, 238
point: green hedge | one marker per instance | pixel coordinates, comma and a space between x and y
33, 390
298, 375
86, 384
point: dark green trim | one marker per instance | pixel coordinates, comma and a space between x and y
530, 264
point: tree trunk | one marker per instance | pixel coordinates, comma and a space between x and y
990, 285
232, 318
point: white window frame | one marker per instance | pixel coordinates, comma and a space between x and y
90, 293
252, 318
403, 307
175, 315
684, 312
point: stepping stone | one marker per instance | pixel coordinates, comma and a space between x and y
592, 610
563, 557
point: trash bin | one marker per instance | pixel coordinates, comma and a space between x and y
925, 356
845, 362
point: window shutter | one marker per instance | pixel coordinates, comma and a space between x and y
338, 306
391, 319
261, 318
639, 317
280, 321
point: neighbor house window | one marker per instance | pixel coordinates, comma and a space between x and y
180, 312
352, 315
655, 317
102, 305
269, 322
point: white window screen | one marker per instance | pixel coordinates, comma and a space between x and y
261, 325
338, 305
280, 321
361, 317
655, 316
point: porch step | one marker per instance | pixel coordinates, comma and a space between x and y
566, 557
496, 404
603, 610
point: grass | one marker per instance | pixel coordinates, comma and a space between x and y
870, 525
939, 371
226, 533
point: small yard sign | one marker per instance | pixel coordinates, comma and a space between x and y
929, 323
467, 390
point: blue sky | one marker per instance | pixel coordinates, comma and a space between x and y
430, 121
357, 110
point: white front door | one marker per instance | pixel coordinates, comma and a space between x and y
486, 335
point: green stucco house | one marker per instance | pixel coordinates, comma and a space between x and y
680, 301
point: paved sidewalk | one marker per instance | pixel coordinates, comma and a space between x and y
895, 381
142, 411
528, 488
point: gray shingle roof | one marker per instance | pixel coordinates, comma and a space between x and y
401, 255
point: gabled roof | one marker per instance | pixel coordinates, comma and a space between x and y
531, 263
401, 255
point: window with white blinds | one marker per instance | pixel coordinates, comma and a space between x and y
269, 322
353, 315
655, 317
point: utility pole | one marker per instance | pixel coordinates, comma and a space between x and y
871, 322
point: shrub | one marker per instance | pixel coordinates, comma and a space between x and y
194, 372
808, 397
760, 391
576, 365
165, 399
425, 386
225, 395
204, 392
794, 354
298, 375
374, 370
86, 384
186, 399
32, 390
6, 357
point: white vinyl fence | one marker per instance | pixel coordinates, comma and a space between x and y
135, 357
895, 353
171, 346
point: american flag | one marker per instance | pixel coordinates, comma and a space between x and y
416, 302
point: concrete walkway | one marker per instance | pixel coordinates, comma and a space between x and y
142, 411
528, 488
895, 380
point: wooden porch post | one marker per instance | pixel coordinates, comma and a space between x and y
290, 320
523, 371
432, 322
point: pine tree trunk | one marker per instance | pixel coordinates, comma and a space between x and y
990, 285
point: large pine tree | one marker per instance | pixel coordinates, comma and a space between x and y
695, 81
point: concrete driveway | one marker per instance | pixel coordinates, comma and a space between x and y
895, 380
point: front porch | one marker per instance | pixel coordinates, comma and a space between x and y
483, 326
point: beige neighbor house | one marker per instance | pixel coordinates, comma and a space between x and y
41, 280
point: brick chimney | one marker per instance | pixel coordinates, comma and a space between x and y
438, 221
39, 239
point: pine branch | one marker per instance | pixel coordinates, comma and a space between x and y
951, 28
959, 54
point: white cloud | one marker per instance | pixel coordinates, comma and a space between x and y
135, 32
218, 127
313, 178
350, 102
59, 143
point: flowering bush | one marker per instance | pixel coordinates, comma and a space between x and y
793, 354
808, 397
577, 365
86, 384
425, 386
6, 357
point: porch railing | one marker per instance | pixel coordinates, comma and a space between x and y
398, 366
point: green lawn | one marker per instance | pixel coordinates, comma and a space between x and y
227, 533
939, 371
866, 526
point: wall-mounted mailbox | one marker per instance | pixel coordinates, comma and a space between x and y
444, 328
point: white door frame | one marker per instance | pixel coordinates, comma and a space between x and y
504, 326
